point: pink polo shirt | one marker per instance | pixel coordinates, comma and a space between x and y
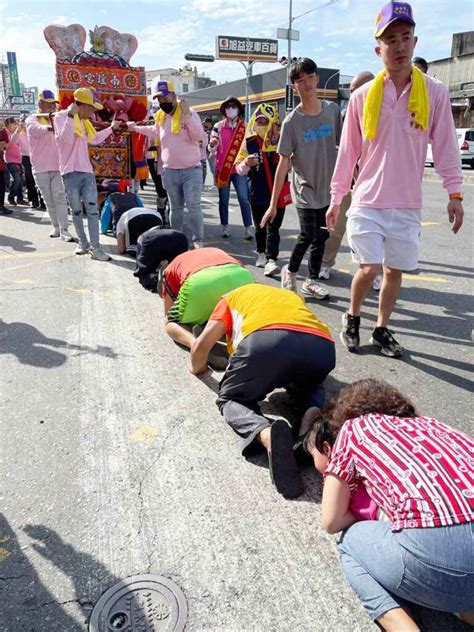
13, 152
43, 150
73, 150
391, 166
178, 151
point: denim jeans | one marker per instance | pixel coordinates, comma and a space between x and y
432, 567
16, 187
313, 234
184, 187
82, 189
241, 186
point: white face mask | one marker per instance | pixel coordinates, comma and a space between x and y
231, 113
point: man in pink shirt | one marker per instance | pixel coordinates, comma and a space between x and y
12, 158
388, 125
45, 164
74, 132
180, 132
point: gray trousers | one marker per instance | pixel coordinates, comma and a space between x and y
266, 360
51, 187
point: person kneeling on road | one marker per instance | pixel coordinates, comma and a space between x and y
275, 341
132, 224
193, 284
155, 249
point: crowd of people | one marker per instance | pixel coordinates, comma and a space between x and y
397, 483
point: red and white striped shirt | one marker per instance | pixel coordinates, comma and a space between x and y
420, 471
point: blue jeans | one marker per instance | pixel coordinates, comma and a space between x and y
184, 187
241, 186
432, 567
16, 186
82, 189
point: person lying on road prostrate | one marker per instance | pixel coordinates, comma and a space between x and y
134, 223
419, 471
155, 249
275, 341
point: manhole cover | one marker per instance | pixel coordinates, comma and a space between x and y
141, 603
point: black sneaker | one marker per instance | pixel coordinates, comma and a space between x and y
350, 333
383, 338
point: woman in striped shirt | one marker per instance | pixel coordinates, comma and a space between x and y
419, 471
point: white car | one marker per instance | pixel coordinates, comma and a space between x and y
465, 138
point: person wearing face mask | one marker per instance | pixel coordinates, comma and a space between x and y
226, 139
180, 132
258, 159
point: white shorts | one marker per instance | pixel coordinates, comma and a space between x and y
390, 237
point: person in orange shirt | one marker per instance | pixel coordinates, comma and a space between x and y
274, 341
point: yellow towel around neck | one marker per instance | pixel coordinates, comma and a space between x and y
418, 103
83, 126
175, 121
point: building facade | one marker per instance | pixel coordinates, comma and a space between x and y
185, 79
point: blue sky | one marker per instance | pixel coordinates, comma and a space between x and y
338, 36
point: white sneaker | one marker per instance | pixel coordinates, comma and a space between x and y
100, 255
248, 235
377, 283
54, 233
314, 289
82, 249
324, 273
288, 279
198, 243
66, 236
271, 268
261, 260
225, 231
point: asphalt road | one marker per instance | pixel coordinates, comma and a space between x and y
115, 460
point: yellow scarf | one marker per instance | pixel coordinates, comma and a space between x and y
82, 126
175, 121
271, 135
418, 103
43, 118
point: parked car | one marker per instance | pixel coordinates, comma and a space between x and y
466, 147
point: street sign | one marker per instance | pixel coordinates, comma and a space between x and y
289, 101
29, 97
17, 100
193, 57
293, 34
13, 71
246, 48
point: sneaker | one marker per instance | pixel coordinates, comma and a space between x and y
377, 283
312, 288
198, 243
261, 260
383, 338
225, 231
99, 255
66, 236
288, 279
324, 273
161, 203
350, 332
82, 249
248, 235
5, 211
54, 233
271, 268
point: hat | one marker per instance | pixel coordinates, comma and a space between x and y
85, 95
225, 104
47, 96
163, 89
391, 12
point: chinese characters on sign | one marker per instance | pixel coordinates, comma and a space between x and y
129, 81
246, 48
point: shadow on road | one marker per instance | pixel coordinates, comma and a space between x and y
20, 245
32, 347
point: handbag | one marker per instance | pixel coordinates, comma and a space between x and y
285, 194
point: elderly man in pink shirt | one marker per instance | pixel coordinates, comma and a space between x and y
180, 132
45, 164
388, 125
74, 132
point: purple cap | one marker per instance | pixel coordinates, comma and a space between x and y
163, 88
391, 12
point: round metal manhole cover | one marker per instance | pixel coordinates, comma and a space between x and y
141, 603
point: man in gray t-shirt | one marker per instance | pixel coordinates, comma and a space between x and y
308, 144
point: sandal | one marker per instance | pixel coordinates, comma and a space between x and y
283, 468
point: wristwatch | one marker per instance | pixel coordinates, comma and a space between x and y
456, 196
